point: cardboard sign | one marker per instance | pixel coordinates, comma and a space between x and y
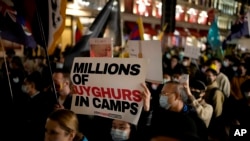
152, 52
100, 47
108, 87
192, 52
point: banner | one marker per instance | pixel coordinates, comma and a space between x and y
100, 47
108, 87
151, 51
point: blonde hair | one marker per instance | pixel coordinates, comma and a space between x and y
68, 121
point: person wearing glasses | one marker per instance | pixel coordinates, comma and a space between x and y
181, 120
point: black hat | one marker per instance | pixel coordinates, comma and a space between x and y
197, 84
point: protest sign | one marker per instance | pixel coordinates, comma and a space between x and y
108, 87
152, 52
192, 52
100, 47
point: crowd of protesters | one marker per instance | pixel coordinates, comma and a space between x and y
208, 107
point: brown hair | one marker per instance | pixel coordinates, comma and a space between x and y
68, 121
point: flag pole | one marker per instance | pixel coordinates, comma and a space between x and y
46, 52
6, 67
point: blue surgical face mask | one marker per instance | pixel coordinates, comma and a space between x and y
119, 135
164, 102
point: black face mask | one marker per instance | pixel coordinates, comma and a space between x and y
196, 94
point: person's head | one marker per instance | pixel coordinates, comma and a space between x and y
29, 66
211, 74
242, 69
228, 61
177, 72
10, 53
245, 90
179, 128
186, 61
32, 83
62, 125
101, 50
173, 96
122, 130
62, 81
16, 63
174, 61
166, 76
197, 88
217, 63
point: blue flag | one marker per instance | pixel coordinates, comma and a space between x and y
213, 36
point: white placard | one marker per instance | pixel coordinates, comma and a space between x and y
192, 52
108, 87
152, 52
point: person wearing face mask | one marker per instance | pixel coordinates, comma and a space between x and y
34, 107
227, 67
222, 80
215, 97
173, 102
122, 131
196, 92
189, 67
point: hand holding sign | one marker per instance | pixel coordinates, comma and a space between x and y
146, 95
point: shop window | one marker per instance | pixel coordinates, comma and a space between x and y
143, 7
158, 9
192, 15
179, 14
202, 17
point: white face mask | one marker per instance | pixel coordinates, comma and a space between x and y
119, 135
225, 64
176, 80
59, 65
165, 80
185, 63
203, 70
168, 56
154, 86
235, 68
24, 89
164, 102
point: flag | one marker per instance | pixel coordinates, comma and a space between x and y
56, 22
138, 31
213, 37
79, 30
81, 48
162, 32
15, 24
